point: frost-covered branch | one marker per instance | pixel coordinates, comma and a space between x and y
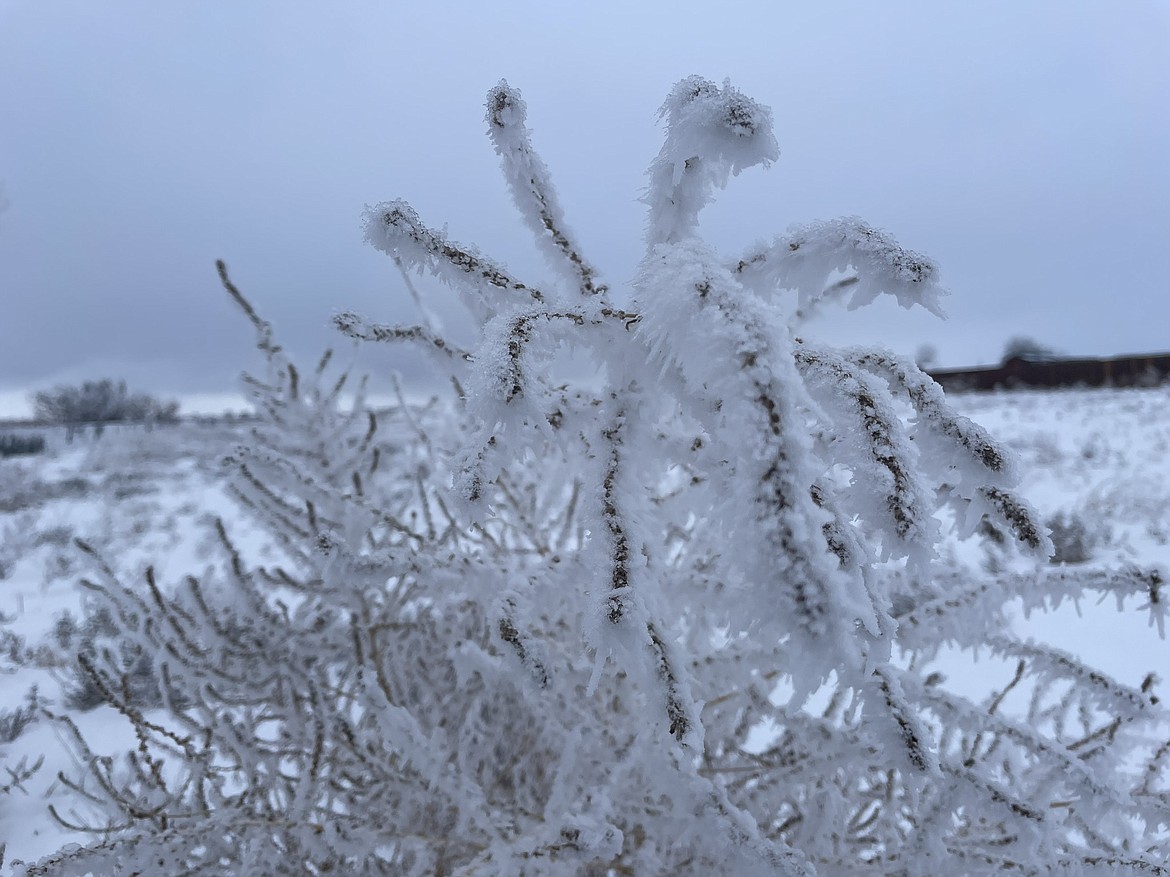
395, 229
807, 257
532, 189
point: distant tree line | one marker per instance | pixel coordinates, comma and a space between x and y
1036, 369
100, 402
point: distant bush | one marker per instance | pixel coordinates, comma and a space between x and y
16, 445
13, 722
1024, 347
1072, 541
83, 640
101, 402
11, 645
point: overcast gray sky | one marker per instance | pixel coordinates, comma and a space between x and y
1022, 145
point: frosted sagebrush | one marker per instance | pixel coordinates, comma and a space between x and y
555, 629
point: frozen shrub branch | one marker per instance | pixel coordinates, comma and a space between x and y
532, 189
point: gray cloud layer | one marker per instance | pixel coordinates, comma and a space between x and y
1023, 146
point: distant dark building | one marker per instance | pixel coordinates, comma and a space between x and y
1025, 371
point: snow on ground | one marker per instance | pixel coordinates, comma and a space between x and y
142, 499
1097, 466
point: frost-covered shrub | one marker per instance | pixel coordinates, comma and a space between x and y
28, 491
12, 445
14, 721
12, 649
13, 776
678, 622
97, 637
1072, 542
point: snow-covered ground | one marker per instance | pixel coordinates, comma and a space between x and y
1097, 467
141, 499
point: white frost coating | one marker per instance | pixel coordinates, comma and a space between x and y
975, 483
700, 322
807, 257
394, 227
532, 189
870, 438
712, 133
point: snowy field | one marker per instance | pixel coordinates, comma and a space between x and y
1097, 464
